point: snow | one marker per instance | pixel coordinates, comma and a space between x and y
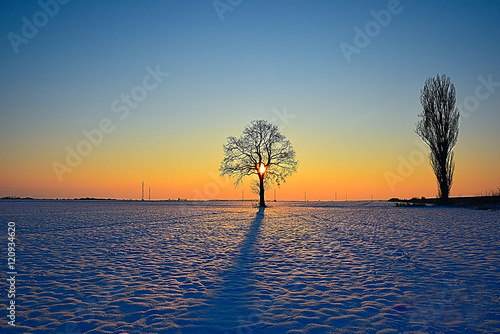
230, 267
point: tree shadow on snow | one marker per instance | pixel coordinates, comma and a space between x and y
230, 310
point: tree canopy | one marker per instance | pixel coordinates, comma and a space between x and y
438, 128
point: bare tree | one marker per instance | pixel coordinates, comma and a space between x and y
438, 128
262, 151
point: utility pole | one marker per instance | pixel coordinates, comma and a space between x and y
305, 196
335, 197
275, 195
149, 194
142, 197
243, 195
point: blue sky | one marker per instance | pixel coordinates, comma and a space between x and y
264, 55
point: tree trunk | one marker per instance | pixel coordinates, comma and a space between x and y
443, 182
445, 192
261, 191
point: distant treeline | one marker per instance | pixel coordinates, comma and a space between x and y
477, 202
92, 199
14, 197
62, 199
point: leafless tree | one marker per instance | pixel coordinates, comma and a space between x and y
262, 151
438, 128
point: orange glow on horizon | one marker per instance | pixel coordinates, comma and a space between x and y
355, 170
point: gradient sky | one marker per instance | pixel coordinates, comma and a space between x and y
351, 122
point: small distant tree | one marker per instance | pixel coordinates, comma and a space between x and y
438, 128
261, 151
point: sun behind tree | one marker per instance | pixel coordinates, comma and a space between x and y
262, 151
262, 169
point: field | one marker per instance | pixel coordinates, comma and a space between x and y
230, 267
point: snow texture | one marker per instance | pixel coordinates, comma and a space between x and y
230, 267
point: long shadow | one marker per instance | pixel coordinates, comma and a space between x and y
248, 245
230, 305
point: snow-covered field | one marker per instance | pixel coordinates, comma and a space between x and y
228, 267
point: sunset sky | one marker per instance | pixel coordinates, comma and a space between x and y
160, 85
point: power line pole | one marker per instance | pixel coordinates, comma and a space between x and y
275, 195
142, 197
149, 194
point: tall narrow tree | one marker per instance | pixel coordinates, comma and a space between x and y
438, 128
262, 151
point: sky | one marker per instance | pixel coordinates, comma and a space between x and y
97, 97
